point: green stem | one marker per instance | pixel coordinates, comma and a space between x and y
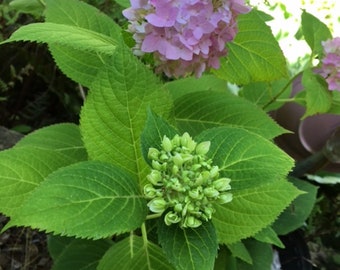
153, 216
281, 91
144, 234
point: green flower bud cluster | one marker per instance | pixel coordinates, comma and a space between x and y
184, 183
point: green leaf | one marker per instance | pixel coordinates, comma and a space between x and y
299, 210
252, 210
80, 254
154, 130
256, 168
196, 112
268, 235
262, 93
254, 55
87, 199
261, 253
34, 7
239, 250
181, 87
123, 3
65, 35
335, 108
81, 66
115, 112
133, 254
63, 138
314, 32
247, 158
189, 248
22, 169
318, 97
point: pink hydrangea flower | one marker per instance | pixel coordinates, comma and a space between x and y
185, 36
331, 63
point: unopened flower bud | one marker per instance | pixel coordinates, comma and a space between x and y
157, 205
153, 153
178, 160
192, 222
210, 192
222, 184
155, 178
166, 144
203, 148
214, 172
224, 198
149, 191
171, 218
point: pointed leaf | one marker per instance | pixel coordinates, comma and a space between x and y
239, 250
155, 128
314, 32
22, 169
318, 97
299, 210
246, 158
133, 254
115, 112
256, 168
199, 111
189, 248
261, 253
254, 55
252, 210
80, 66
268, 235
65, 35
63, 138
80, 254
88, 200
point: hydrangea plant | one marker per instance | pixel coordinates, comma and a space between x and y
160, 173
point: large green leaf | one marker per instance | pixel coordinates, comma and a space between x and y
187, 249
81, 66
314, 32
25, 166
239, 250
115, 112
80, 254
65, 35
299, 210
252, 210
254, 55
88, 199
199, 111
64, 138
133, 254
256, 168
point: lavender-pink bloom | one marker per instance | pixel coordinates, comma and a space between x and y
331, 63
186, 37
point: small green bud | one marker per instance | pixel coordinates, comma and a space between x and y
178, 207
208, 211
175, 169
224, 198
153, 153
166, 144
188, 142
176, 141
157, 205
156, 165
210, 192
203, 148
171, 218
196, 193
155, 178
214, 171
191, 222
178, 160
222, 184
149, 191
